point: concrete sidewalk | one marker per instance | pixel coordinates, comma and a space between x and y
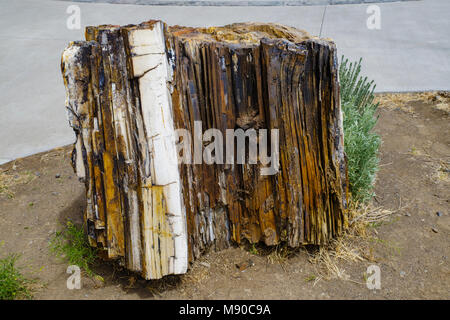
411, 52
222, 3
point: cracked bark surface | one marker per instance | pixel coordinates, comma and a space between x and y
127, 90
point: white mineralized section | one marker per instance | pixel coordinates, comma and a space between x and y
69, 59
151, 65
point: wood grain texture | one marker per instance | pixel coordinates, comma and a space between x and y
128, 89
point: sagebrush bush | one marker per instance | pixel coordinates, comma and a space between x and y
360, 142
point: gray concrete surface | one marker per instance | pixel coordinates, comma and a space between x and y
409, 53
238, 2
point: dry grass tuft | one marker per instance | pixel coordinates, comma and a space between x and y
439, 99
280, 254
12, 177
327, 265
197, 274
362, 216
441, 172
61, 154
353, 246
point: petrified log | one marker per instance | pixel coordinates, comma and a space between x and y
129, 89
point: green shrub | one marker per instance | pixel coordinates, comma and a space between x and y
12, 283
360, 142
72, 245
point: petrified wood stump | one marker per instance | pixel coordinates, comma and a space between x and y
130, 88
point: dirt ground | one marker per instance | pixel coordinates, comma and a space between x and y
411, 247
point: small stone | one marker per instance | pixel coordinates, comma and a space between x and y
439, 214
55, 193
57, 176
434, 230
402, 274
245, 265
408, 214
